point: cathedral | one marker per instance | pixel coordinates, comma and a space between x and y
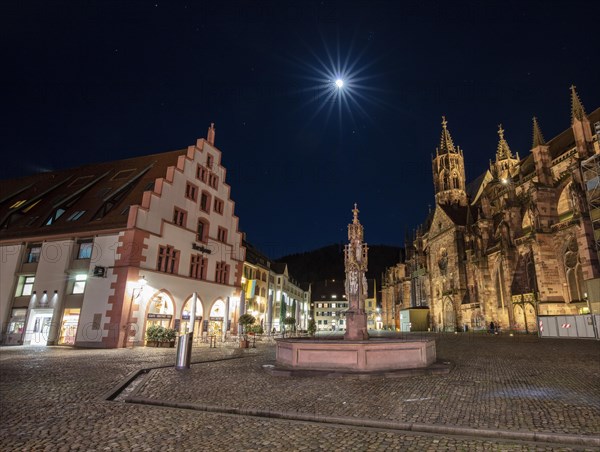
517, 242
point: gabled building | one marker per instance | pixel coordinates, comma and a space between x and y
94, 255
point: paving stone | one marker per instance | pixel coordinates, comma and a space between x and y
50, 399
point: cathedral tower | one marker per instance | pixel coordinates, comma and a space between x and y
580, 124
449, 171
506, 164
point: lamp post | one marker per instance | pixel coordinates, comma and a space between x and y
134, 296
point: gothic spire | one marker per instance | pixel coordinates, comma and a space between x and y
355, 212
577, 110
538, 138
446, 144
503, 151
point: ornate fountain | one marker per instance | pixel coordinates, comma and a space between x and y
356, 352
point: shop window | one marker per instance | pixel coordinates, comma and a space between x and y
168, 259
179, 217
25, 286
33, 254
191, 191
198, 266
16, 326
85, 250
80, 281
68, 327
222, 235
202, 231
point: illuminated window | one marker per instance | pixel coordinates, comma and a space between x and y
18, 204
85, 250
79, 286
33, 253
25, 287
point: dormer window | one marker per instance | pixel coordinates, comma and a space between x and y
55, 216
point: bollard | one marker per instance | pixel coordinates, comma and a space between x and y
184, 351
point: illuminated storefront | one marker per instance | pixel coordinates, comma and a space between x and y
185, 319
160, 311
68, 326
16, 327
215, 321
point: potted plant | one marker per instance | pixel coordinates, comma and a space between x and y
159, 336
245, 321
153, 335
169, 335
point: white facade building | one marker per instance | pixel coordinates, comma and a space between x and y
92, 256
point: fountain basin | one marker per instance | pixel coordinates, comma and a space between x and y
373, 355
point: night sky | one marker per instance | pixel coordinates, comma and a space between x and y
90, 81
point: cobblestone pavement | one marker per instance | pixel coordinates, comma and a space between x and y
51, 399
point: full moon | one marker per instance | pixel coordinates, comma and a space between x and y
339, 83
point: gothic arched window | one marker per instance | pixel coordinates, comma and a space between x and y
455, 180
573, 271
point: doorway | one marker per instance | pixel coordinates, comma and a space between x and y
38, 327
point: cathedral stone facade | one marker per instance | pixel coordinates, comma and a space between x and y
517, 242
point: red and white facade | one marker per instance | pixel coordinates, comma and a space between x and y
93, 256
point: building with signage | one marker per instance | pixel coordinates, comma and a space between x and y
94, 255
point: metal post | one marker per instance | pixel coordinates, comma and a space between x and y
184, 345
184, 351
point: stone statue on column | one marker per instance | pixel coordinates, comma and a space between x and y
355, 262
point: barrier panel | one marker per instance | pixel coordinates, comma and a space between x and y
569, 326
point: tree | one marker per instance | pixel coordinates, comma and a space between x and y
294, 312
312, 327
291, 321
246, 320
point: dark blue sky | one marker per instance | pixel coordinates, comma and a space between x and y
102, 80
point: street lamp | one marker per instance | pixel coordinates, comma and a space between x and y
134, 296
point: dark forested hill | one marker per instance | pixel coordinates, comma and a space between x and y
328, 262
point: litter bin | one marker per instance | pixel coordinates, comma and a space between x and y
184, 351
